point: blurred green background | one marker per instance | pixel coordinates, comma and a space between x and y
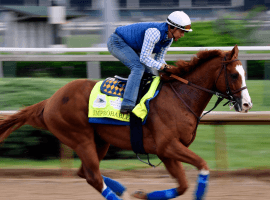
247, 146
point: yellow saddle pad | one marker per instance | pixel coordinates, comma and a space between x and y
103, 107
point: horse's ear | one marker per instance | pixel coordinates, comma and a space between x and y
234, 53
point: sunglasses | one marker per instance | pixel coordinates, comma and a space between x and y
185, 28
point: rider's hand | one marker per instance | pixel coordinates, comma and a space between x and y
166, 70
164, 67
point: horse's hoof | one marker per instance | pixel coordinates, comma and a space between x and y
140, 194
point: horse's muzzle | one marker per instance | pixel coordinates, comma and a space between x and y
246, 107
241, 106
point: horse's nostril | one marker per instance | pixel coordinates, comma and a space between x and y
245, 105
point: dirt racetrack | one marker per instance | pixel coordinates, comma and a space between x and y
28, 184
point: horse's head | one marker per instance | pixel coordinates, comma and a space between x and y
231, 81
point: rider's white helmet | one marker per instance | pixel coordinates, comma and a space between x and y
180, 20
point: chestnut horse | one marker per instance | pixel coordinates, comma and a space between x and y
169, 130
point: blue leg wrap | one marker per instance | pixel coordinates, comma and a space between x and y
163, 194
202, 186
117, 187
109, 194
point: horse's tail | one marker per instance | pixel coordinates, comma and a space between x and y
32, 115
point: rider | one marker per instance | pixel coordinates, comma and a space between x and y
133, 45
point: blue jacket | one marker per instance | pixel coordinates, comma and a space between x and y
133, 35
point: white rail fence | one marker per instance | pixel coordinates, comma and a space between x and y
104, 49
92, 59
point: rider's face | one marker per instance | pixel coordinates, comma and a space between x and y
178, 33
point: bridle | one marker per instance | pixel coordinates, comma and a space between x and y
229, 93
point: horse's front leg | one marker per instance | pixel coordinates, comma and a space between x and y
175, 168
175, 150
172, 154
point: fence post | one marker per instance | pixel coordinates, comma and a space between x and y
221, 148
1, 70
245, 66
266, 94
93, 70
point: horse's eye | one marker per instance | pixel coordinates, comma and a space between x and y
234, 76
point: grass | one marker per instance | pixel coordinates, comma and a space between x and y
24, 163
125, 165
247, 146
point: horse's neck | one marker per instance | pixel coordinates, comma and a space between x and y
198, 99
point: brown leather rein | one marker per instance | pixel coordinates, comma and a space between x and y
230, 94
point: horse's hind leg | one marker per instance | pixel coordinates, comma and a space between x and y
102, 148
90, 170
88, 154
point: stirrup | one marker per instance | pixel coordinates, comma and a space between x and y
120, 78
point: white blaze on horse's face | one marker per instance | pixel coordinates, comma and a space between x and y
246, 100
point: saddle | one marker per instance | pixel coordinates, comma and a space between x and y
115, 86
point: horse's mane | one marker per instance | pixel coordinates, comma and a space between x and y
201, 57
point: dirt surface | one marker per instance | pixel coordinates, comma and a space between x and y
29, 184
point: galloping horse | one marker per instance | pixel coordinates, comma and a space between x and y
170, 127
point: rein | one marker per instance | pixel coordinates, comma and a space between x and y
229, 94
